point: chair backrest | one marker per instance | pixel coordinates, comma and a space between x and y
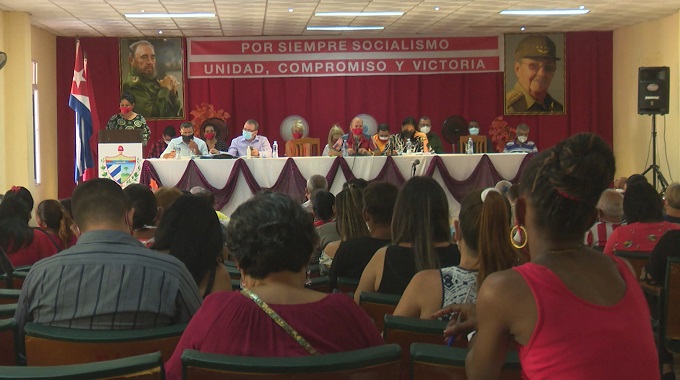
7, 311
376, 305
8, 352
306, 147
9, 296
47, 345
671, 317
143, 367
405, 331
320, 284
480, 143
636, 259
381, 362
430, 362
347, 285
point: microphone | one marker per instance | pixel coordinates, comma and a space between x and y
413, 167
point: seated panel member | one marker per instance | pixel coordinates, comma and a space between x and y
186, 143
157, 148
380, 139
435, 142
397, 143
250, 139
334, 134
521, 143
359, 144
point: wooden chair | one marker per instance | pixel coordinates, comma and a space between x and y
480, 143
347, 285
9, 296
8, 352
636, 259
304, 147
430, 362
376, 305
381, 362
405, 331
47, 345
142, 367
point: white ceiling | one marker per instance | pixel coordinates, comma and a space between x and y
97, 18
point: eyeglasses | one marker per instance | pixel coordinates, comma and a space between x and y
423, 125
548, 67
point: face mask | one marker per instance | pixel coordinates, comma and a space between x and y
187, 139
474, 131
125, 109
522, 139
425, 130
408, 134
297, 135
357, 131
247, 135
210, 136
384, 138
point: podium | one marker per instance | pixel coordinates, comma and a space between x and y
120, 155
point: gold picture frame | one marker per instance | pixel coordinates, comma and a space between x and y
160, 91
530, 60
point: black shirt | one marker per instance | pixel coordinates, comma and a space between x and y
352, 257
665, 248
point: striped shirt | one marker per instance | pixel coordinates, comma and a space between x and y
108, 281
515, 146
599, 233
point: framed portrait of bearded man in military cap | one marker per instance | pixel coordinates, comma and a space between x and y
534, 74
152, 71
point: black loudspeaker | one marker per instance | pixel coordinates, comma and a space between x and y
653, 90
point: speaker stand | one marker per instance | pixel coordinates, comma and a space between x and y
654, 168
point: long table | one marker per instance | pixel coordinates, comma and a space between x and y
235, 181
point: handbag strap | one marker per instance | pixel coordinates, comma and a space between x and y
279, 321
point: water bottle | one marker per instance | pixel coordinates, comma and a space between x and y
178, 152
344, 148
470, 146
249, 151
275, 150
409, 146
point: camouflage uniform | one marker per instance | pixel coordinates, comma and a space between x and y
152, 100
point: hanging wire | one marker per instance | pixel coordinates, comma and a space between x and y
665, 148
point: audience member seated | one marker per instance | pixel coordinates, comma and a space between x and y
569, 298
643, 209
421, 239
633, 179
271, 238
380, 139
108, 280
672, 203
53, 218
22, 244
210, 198
356, 142
482, 237
357, 183
349, 222
397, 143
521, 143
165, 197
315, 182
354, 254
609, 217
142, 200
324, 207
23, 194
334, 134
191, 232
620, 184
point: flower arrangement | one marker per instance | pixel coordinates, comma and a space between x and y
501, 132
204, 112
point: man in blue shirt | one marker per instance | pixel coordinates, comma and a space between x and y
186, 143
521, 143
250, 139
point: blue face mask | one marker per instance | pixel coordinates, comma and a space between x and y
474, 131
247, 135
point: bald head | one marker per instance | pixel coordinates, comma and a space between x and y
610, 205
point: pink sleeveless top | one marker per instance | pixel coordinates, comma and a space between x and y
575, 339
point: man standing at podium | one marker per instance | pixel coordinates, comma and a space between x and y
186, 144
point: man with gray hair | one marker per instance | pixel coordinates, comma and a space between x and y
315, 182
671, 203
610, 215
521, 143
154, 98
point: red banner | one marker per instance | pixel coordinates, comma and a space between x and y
285, 57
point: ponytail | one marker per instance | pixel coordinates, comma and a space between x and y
496, 253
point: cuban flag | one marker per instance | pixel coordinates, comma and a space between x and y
79, 101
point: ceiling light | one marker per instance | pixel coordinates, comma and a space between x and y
160, 32
169, 15
544, 12
345, 28
522, 28
436, 8
358, 14
290, 9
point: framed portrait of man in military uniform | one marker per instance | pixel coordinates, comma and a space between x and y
534, 73
152, 71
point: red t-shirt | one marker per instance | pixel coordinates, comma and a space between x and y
638, 236
230, 323
575, 339
41, 247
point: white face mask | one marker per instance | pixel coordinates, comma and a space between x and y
522, 139
474, 131
425, 130
384, 138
